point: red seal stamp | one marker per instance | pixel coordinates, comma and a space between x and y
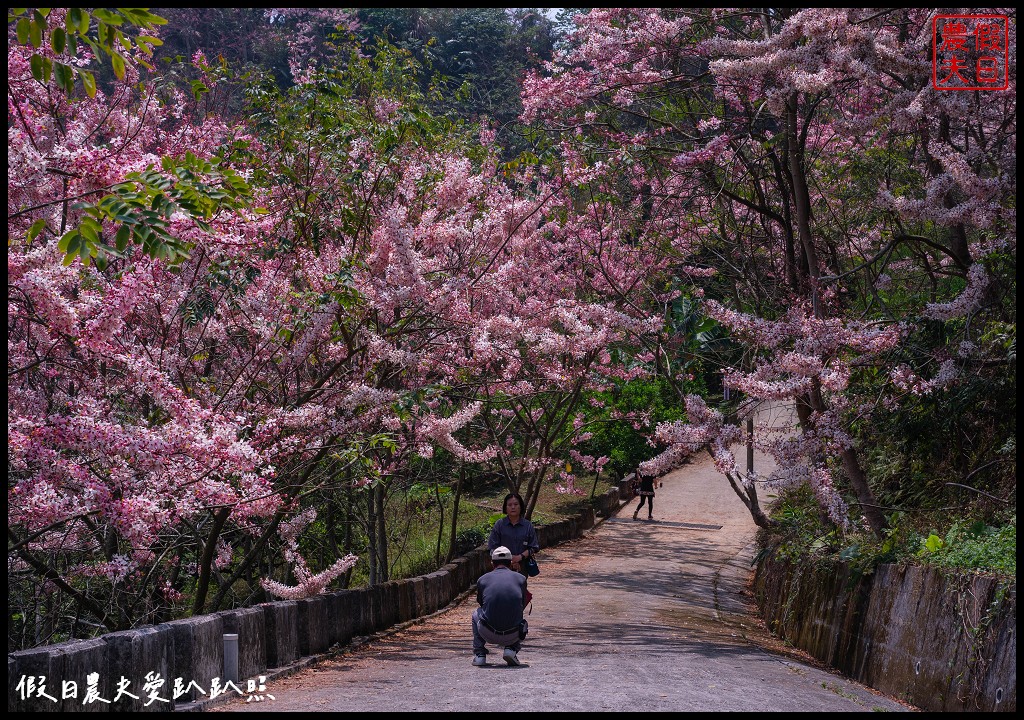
970, 52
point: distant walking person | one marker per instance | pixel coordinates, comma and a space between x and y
646, 494
514, 532
499, 620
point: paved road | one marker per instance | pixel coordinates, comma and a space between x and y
635, 616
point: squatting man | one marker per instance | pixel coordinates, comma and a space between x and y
499, 620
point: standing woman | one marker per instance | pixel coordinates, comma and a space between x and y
514, 532
646, 495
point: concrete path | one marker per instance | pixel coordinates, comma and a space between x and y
636, 616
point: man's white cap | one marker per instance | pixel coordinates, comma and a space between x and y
501, 553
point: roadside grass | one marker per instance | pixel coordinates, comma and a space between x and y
964, 543
415, 550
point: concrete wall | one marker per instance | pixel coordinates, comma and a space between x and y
938, 640
174, 665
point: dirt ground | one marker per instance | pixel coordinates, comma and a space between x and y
639, 616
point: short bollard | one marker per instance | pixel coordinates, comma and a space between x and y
231, 657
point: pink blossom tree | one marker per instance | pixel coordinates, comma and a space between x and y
761, 135
220, 328
127, 465
209, 332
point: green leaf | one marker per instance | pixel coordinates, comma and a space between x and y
73, 247
108, 17
23, 28
142, 17
73, 20
37, 227
65, 76
122, 238
64, 244
850, 553
90, 229
198, 88
933, 543
118, 63
88, 82
58, 40
36, 65
35, 34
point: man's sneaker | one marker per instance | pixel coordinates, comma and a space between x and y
510, 656
480, 660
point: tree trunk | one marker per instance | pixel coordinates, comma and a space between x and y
250, 560
383, 572
533, 491
749, 498
440, 525
347, 577
371, 536
859, 481
455, 513
801, 200
801, 195
206, 563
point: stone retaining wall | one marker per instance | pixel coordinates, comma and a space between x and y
61, 678
937, 640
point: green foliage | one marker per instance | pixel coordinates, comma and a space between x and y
141, 208
932, 543
974, 546
802, 530
473, 57
240, 37
100, 30
696, 346
337, 113
136, 211
954, 446
469, 538
969, 545
614, 434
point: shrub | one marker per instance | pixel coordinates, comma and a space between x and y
466, 540
970, 545
974, 546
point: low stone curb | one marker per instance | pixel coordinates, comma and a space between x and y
274, 639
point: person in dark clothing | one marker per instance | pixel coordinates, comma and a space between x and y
499, 620
646, 494
514, 532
